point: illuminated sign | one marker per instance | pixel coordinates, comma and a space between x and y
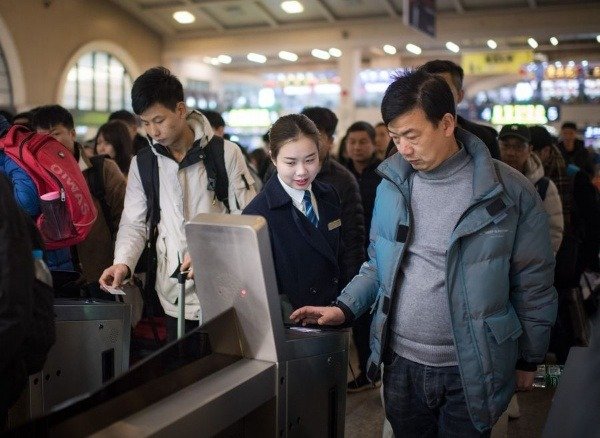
592, 132
249, 118
561, 72
493, 63
534, 114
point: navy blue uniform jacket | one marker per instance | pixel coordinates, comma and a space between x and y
306, 258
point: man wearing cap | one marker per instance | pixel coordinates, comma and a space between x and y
515, 150
573, 149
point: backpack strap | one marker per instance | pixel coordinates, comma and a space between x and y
95, 178
542, 186
214, 161
148, 169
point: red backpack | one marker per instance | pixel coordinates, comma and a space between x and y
67, 208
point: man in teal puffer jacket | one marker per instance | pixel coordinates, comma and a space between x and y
459, 276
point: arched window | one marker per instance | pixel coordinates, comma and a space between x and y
97, 82
6, 93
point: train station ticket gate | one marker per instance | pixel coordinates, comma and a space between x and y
241, 373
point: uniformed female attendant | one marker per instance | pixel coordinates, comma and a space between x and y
303, 216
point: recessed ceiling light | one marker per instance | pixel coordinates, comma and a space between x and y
532, 42
598, 38
492, 44
452, 47
256, 57
321, 54
288, 56
214, 61
184, 17
336, 53
389, 49
224, 59
413, 48
554, 41
292, 7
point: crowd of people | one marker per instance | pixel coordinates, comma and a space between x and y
439, 240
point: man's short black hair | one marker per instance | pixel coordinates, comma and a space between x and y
214, 118
324, 118
7, 115
569, 125
418, 89
444, 66
48, 116
362, 126
540, 137
156, 85
4, 125
124, 116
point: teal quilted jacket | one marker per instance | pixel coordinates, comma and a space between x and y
499, 276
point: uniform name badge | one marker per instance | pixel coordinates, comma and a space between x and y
334, 224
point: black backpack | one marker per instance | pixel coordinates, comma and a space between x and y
542, 187
95, 180
18, 235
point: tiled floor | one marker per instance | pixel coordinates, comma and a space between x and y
364, 414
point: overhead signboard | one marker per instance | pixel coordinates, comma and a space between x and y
527, 114
495, 63
420, 14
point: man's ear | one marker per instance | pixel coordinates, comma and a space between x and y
181, 109
448, 124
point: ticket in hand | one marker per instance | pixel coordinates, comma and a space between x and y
114, 290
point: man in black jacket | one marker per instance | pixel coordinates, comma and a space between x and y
454, 75
573, 149
332, 172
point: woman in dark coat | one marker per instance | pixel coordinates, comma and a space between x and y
303, 216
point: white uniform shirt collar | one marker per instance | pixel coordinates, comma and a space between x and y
298, 196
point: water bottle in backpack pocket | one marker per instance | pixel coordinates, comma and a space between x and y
55, 222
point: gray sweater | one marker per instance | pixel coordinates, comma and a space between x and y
421, 328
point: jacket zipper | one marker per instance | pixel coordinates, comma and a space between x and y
397, 266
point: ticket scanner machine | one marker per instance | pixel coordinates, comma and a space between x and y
241, 373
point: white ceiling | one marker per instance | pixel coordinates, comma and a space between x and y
251, 15
228, 25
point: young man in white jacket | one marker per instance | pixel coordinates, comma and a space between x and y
175, 137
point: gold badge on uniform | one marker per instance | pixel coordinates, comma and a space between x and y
334, 224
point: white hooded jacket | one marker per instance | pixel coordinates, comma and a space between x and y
534, 171
183, 194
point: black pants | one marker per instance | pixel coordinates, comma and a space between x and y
361, 333
192, 347
172, 327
